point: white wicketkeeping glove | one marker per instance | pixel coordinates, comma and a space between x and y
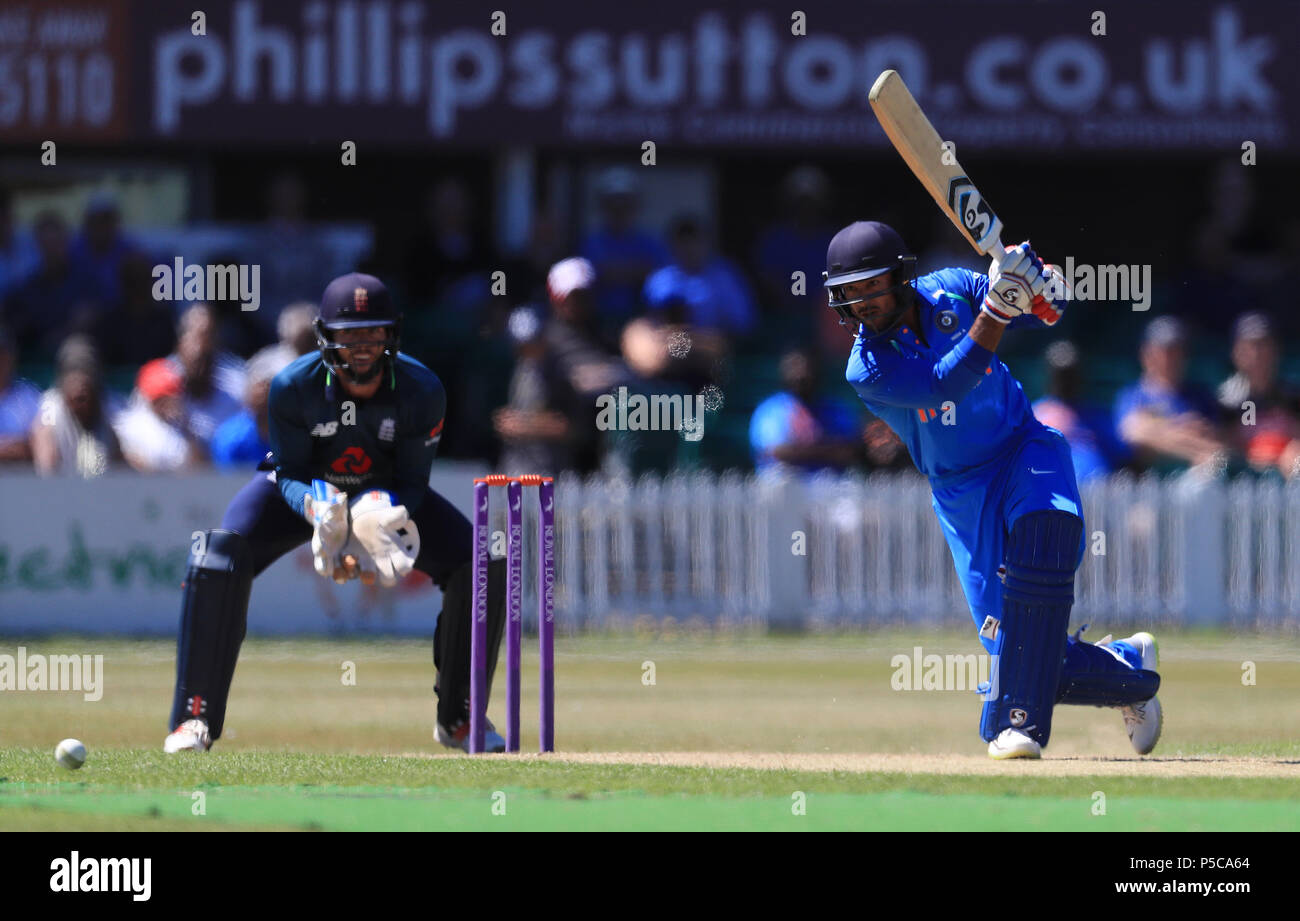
354, 562
387, 534
1015, 283
328, 513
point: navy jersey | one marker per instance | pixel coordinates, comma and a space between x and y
390, 445
906, 378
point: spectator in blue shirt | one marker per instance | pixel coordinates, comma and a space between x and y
242, 441
101, 248
1162, 417
622, 253
58, 300
1088, 429
797, 242
700, 289
793, 428
19, 257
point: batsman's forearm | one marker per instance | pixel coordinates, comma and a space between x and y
987, 332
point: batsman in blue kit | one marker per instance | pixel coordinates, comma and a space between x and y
924, 360
354, 429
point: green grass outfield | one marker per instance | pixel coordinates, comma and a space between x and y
794, 723
142, 790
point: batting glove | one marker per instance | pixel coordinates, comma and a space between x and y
1050, 305
1015, 283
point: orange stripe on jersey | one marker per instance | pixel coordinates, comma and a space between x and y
436, 429
921, 413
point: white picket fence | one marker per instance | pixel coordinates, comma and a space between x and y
850, 552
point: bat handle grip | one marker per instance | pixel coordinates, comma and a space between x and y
998, 252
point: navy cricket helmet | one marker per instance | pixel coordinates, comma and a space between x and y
863, 250
356, 301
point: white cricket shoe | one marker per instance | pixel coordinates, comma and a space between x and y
458, 736
1012, 743
1144, 720
189, 736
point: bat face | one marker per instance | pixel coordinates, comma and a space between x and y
922, 149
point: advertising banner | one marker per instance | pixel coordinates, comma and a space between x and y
568, 74
109, 555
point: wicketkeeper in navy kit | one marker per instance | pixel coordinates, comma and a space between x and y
353, 430
1003, 483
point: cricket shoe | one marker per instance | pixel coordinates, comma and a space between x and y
189, 736
1143, 720
458, 736
1012, 743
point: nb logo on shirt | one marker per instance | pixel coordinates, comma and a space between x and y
325, 429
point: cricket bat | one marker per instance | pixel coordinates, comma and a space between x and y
921, 147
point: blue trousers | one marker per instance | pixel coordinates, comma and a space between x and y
977, 508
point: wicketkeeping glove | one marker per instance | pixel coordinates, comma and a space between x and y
327, 510
1015, 283
354, 563
387, 533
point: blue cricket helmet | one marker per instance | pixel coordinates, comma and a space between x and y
863, 250
356, 301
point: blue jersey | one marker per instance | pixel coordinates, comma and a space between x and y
992, 466
906, 377
389, 444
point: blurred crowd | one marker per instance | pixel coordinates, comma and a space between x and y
117, 378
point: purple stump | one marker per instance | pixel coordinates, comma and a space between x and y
546, 611
478, 626
514, 607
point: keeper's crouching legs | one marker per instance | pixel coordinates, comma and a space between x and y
214, 619
451, 639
